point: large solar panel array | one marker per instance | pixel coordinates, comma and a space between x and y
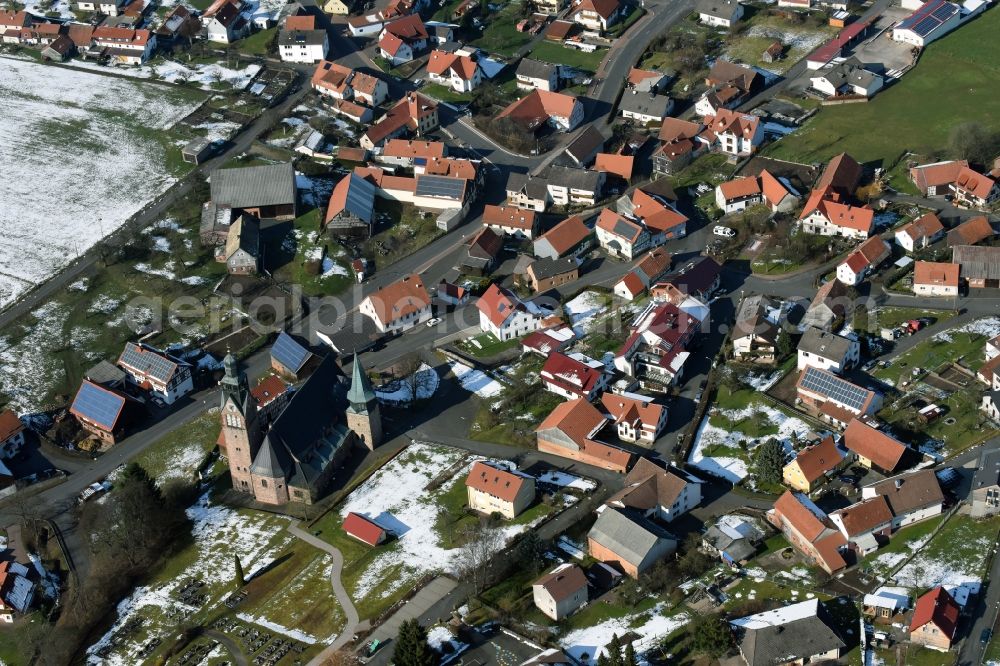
149, 363
289, 353
440, 186
923, 23
98, 405
834, 387
361, 197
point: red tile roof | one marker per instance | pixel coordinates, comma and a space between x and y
740, 188
825, 539
873, 444
413, 149
408, 28
939, 608
570, 374
773, 189
441, 62
495, 481
842, 215
654, 211
864, 516
567, 234
726, 121
870, 253
937, 174
304, 22
938, 274
498, 303
10, 425
538, 106
363, 529
923, 227
620, 165
510, 216
403, 297
675, 129
816, 460
970, 232
974, 183
842, 174
603, 8
269, 388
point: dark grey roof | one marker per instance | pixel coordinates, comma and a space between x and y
357, 334
536, 188
546, 268
297, 435
536, 69
627, 534
442, 187
738, 548
588, 142
105, 373
978, 262
775, 642
718, 8
696, 276
824, 344
852, 72
250, 187
988, 472
577, 179
301, 37
752, 317
645, 104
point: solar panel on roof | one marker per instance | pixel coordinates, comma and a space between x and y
838, 389
440, 186
289, 353
97, 405
148, 362
943, 13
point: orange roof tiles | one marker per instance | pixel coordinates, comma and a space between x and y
816, 460
878, 447
938, 274
10, 425
441, 62
539, 105
413, 149
304, 22
937, 174
740, 188
970, 232
495, 481
400, 298
620, 165
510, 216
974, 183
567, 234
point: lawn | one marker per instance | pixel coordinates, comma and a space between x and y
259, 42
951, 346
763, 30
774, 260
893, 317
956, 556
299, 258
486, 345
902, 544
962, 426
562, 55
401, 230
445, 94
179, 454
501, 35
955, 71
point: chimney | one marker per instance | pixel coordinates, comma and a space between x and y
899, 483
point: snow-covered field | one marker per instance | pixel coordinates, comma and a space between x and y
735, 469
651, 626
79, 159
476, 381
219, 533
582, 310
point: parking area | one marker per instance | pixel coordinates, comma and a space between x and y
882, 49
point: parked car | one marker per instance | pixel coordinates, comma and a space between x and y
723, 231
433, 322
985, 637
94, 489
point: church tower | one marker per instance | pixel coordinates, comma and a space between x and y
363, 415
241, 431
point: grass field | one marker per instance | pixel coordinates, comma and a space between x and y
902, 545
258, 43
178, 454
957, 555
951, 84
445, 94
555, 53
893, 317
501, 35
486, 345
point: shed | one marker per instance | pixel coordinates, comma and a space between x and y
197, 150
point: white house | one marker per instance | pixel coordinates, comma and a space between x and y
459, 72
620, 236
848, 78
921, 232
737, 134
11, 434
665, 493
934, 19
827, 351
300, 41
535, 74
574, 376
598, 15
863, 261
719, 13
505, 316
936, 279
224, 22
165, 377
826, 215
398, 306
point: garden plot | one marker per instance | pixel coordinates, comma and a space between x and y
219, 534
725, 438
586, 645
798, 41
115, 130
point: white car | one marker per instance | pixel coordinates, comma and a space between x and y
724, 231
433, 322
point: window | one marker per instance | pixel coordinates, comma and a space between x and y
263, 483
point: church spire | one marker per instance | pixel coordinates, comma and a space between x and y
361, 394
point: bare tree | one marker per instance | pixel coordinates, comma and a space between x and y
413, 379
482, 543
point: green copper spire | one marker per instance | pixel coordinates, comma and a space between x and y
361, 393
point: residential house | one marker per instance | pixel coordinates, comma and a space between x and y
290, 358
571, 237
410, 154
620, 236
398, 306
267, 192
492, 489
358, 113
661, 492
59, 49
166, 377
103, 412
125, 45
729, 85
452, 294
809, 530
570, 186
504, 315
849, 78
971, 232
829, 351
482, 254
12, 432
300, 40
935, 279
645, 273
934, 19
691, 286
863, 261
921, 232
403, 39
338, 7
834, 399
459, 72
719, 13
597, 15
979, 266
17, 591
736, 134
648, 81
537, 75
629, 541
813, 465
563, 112
271, 395
551, 7
224, 22
656, 350
733, 196
560, 30
351, 210
755, 333
866, 524
800, 633
414, 114
636, 417
682, 141
546, 274
364, 529
14, 20
935, 619
986, 485
885, 603
621, 166
572, 430
656, 213
583, 149
527, 191
732, 538
842, 175
911, 497
934, 180
548, 340
342, 83
241, 253
646, 108
873, 448
574, 376
511, 221
825, 214
561, 592
773, 53
178, 23
828, 308
370, 90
